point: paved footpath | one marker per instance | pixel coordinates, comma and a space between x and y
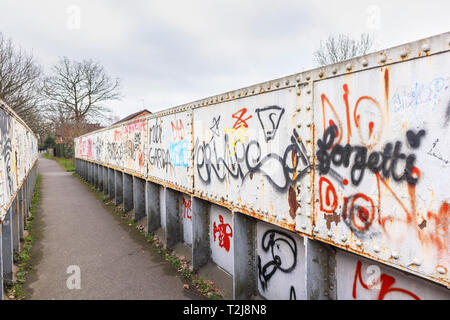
73, 227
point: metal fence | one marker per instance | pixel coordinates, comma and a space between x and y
351, 157
18, 174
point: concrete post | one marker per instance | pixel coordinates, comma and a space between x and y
7, 248
244, 261
138, 198
173, 226
320, 271
152, 206
105, 180
89, 172
95, 174
83, 170
118, 187
127, 192
111, 184
15, 226
100, 178
201, 250
21, 213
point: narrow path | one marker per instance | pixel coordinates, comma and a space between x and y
74, 228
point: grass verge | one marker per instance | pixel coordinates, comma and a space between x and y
206, 287
22, 260
67, 164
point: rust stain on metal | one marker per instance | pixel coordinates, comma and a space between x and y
334, 217
292, 199
423, 224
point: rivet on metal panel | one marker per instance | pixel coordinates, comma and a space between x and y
383, 59
425, 47
330, 234
417, 262
348, 66
343, 238
253, 90
307, 214
287, 82
299, 91
358, 243
403, 53
365, 63
277, 85
298, 109
395, 254
308, 91
299, 125
239, 94
320, 74
298, 212
376, 249
297, 79
316, 230
308, 77
303, 226
441, 270
334, 70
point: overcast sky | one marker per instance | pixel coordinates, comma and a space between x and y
167, 53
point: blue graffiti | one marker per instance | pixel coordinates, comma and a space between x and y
179, 154
428, 93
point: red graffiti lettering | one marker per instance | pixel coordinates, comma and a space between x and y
240, 122
177, 130
328, 198
385, 281
224, 236
187, 207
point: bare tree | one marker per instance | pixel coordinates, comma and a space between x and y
342, 47
79, 91
20, 82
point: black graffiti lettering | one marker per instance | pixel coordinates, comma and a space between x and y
414, 138
248, 160
5, 150
283, 251
269, 118
160, 158
388, 161
155, 133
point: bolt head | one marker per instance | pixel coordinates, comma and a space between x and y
425, 47
441, 270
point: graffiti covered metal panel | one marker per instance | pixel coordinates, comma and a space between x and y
134, 140
251, 154
18, 153
382, 155
169, 149
280, 263
363, 279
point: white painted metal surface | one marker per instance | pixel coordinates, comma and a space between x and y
382, 180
